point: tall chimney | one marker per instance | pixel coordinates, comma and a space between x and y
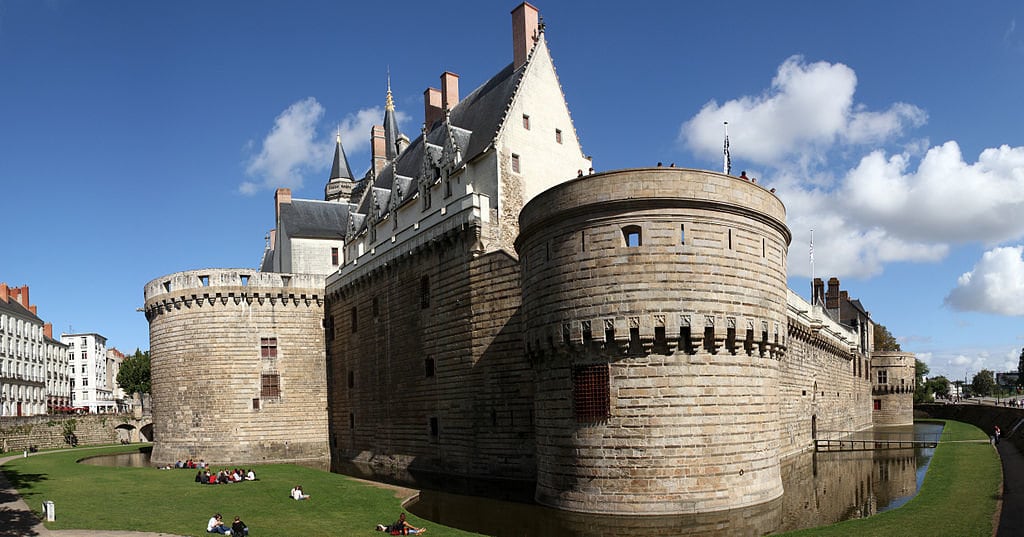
4, 292
832, 295
525, 20
48, 330
23, 297
432, 110
449, 90
282, 196
379, 146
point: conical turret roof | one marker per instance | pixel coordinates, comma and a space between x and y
340, 169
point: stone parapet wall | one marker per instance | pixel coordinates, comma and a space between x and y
47, 432
686, 325
210, 333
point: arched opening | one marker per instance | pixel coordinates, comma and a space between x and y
126, 433
146, 433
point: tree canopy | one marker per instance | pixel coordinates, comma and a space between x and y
983, 383
134, 374
884, 340
921, 392
1020, 367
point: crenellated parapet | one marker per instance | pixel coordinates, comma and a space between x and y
212, 287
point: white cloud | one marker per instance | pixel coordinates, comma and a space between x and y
289, 150
994, 285
807, 110
355, 128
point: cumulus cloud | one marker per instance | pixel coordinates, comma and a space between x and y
808, 109
289, 150
994, 285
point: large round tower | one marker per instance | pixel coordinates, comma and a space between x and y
654, 311
238, 367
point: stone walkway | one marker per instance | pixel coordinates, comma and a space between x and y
17, 520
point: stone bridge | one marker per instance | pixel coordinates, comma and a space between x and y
56, 431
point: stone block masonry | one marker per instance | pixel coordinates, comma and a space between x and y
238, 367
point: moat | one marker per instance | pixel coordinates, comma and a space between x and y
820, 489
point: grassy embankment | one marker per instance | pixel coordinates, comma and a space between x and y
958, 498
170, 501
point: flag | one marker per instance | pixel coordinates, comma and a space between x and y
727, 164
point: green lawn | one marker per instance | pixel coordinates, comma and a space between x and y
958, 498
146, 499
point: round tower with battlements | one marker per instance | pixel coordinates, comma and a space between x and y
654, 312
238, 369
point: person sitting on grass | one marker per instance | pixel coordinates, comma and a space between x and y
216, 525
250, 475
238, 528
401, 527
297, 493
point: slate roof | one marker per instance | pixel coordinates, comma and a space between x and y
340, 169
470, 126
12, 306
313, 219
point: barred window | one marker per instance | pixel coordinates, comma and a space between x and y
270, 385
268, 347
883, 376
590, 393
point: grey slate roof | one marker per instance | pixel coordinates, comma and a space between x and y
340, 169
13, 307
314, 219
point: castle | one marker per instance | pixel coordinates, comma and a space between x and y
482, 304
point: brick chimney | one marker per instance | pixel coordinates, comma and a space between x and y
525, 20
449, 90
817, 292
282, 196
379, 146
4, 292
48, 330
832, 295
20, 294
432, 110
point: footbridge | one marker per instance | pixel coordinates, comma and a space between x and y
874, 440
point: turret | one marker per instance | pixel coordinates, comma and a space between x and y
339, 185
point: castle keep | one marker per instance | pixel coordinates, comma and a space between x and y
484, 305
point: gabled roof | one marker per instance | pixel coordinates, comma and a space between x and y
313, 219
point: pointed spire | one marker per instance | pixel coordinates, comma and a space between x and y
390, 126
340, 169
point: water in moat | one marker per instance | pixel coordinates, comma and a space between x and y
820, 489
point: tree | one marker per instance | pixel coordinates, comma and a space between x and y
983, 383
921, 392
134, 374
1020, 368
884, 340
939, 386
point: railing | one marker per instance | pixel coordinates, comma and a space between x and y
874, 440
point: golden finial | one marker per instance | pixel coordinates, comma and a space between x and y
389, 103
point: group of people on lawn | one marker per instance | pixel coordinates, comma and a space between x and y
237, 475
217, 525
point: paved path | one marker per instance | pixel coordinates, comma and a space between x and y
17, 520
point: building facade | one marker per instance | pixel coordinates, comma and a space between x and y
625, 341
90, 381
22, 355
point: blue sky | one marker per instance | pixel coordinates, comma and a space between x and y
139, 139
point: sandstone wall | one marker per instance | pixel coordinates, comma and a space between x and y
47, 432
682, 328
208, 330
432, 377
893, 400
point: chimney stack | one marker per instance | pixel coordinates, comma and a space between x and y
48, 330
282, 196
379, 146
4, 292
432, 110
449, 90
817, 292
832, 295
525, 22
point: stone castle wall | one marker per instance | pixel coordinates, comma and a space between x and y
47, 432
654, 309
219, 392
427, 372
893, 399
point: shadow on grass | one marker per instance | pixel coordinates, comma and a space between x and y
14, 521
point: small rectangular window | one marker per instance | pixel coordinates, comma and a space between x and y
435, 428
256, 403
268, 347
515, 163
558, 135
764, 248
376, 307
682, 233
729, 234
351, 420
526, 122
355, 319
428, 367
883, 376
351, 379
270, 385
878, 404
205, 280
334, 256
